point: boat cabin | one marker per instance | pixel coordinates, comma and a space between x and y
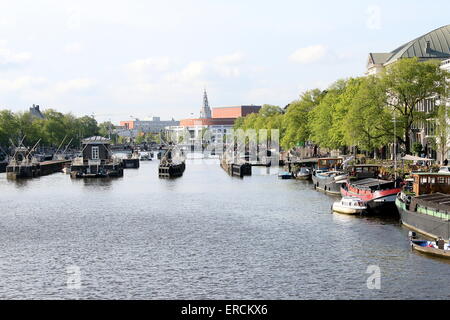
431, 182
329, 163
363, 171
96, 149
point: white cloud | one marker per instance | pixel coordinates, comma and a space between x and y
73, 85
8, 57
309, 54
73, 47
20, 83
73, 22
152, 63
194, 71
233, 58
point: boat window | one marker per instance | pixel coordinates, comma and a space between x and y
441, 180
432, 180
95, 153
423, 180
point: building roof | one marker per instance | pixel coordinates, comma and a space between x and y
433, 45
96, 140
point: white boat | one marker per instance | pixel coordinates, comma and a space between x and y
66, 170
349, 205
303, 174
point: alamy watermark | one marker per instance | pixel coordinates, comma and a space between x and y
374, 280
73, 277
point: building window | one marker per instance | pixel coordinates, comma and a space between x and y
95, 153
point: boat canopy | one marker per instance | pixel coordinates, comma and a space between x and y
414, 158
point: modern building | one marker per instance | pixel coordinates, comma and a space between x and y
434, 45
217, 122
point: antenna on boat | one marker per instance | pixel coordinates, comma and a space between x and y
61, 144
67, 146
20, 143
32, 149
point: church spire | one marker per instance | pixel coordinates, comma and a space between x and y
205, 111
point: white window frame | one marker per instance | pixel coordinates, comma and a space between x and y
95, 152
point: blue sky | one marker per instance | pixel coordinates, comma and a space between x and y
123, 59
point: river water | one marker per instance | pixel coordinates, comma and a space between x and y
205, 235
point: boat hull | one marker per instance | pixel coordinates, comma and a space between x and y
425, 224
344, 210
327, 185
431, 251
303, 177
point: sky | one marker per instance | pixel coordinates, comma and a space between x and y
121, 60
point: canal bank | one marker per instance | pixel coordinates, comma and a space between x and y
201, 236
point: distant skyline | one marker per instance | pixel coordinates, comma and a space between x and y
138, 59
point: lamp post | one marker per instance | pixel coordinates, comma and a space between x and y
395, 146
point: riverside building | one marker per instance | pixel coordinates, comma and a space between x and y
434, 45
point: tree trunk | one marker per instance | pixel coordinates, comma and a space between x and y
407, 142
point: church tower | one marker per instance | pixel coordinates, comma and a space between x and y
205, 111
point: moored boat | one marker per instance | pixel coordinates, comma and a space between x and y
375, 193
427, 209
285, 175
349, 205
303, 174
172, 164
96, 160
328, 176
328, 181
438, 248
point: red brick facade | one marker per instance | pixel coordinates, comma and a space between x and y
234, 112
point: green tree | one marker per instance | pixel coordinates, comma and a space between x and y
327, 117
368, 123
87, 127
408, 82
296, 119
8, 127
442, 131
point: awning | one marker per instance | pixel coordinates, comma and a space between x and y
414, 158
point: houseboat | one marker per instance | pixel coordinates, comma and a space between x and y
427, 209
96, 160
376, 193
328, 175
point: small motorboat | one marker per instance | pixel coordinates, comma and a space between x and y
349, 205
303, 174
285, 175
438, 248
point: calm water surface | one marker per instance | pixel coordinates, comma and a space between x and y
204, 235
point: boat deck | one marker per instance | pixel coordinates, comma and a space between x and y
371, 183
439, 201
